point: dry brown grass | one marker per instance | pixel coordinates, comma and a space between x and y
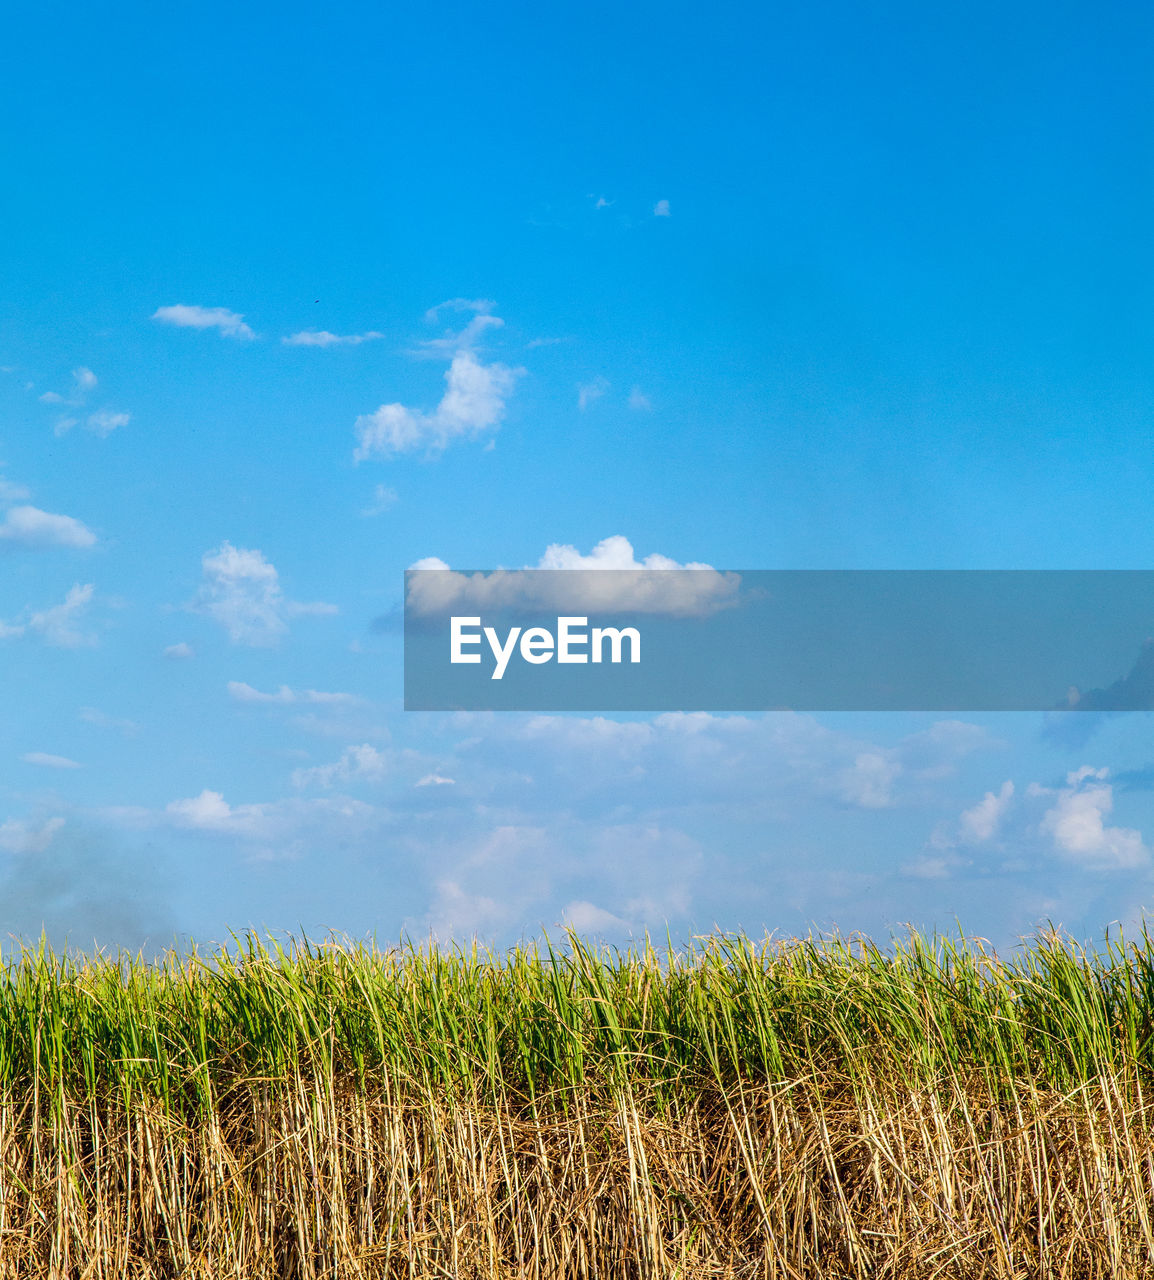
621, 1167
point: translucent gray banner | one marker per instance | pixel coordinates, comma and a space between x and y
714, 640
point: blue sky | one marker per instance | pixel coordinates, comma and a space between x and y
758, 286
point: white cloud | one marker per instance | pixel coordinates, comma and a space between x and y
10, 492
31, 527
435, 780
357, 764
661, 209
230, 324
93, 715
1077, 824
180, 651
57, 624
83, 381
323, 338
105, 421
21, 837
281, 828
473, 402
588, 392
480, 305
639, 400
209, 811
241, 692
383, 499
602, 203
102, 422
241, 590
981, 822
456, 913
584, 917
933, 866
868, 782
49, 761
680, 589
238, 691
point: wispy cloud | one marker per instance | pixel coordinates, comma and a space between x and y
229, 324
102, 720
238, 691
981, 822
83, 381
639, 400
48, 761
58, 625
241, 590
357, 764
661, 209
383, 499
589, 392
22, 837
323, 338
104, 422
480, 305
30, 527
179, 652
473, 402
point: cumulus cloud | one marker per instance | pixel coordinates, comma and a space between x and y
230, 324
48, 761
210, 811
323, 338
656, 584
30, 527
180, 651
473, 402
1077, 824
241, 590
58, 625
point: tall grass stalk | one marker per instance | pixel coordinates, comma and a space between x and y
813, 1108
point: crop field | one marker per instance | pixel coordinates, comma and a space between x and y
818, 1108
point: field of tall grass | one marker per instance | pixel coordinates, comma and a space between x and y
818, 1108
